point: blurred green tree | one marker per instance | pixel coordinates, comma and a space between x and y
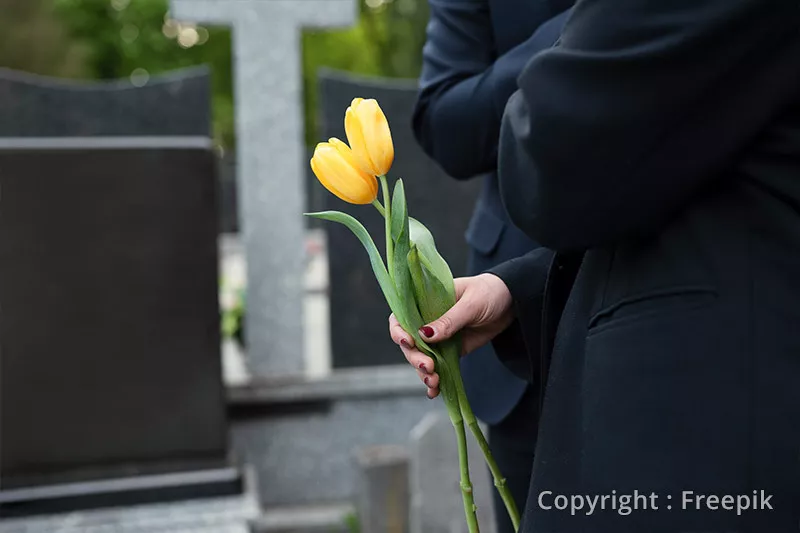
34, 40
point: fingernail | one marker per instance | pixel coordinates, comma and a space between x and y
427, 331
427, 381
422, 367
404, 343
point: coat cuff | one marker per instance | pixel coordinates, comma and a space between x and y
519, 346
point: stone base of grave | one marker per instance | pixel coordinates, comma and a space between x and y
327, 518
232, 513
302, 435
105, 492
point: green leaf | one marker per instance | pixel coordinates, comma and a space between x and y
433, 299
399, 212
400, 299
387, 286
429, 256
401, 274
434, 286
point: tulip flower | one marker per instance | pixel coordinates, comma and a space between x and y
369, 136
415, 279
335, 167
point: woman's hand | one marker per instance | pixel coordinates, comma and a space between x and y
483, 309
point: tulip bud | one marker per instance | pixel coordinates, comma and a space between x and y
369, 136
336, 168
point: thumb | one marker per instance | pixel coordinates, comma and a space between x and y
450, 323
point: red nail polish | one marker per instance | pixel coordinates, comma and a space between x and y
426, 380
404, 343
422, 366
427, 331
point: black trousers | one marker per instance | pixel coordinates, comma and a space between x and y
512, 442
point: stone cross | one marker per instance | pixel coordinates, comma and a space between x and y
271, 159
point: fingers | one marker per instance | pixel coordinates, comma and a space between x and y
430, 380
420, 361
398, 334
462, 314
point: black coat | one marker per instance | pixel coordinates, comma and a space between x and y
474, 52
656, 149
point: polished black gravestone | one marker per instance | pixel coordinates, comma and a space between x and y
109, 319
358, 310
168, 105
172, 104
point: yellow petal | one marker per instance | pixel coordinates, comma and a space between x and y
324, 173
356, 138
371, 136
381, 148
332, 163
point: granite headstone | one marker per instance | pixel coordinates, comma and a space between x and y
109, 333
270, 161
444, 205
436, 503
173, 104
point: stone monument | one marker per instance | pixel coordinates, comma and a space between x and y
436, 504
271, 160
111, 385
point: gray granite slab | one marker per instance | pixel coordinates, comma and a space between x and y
214, 515
271, 160
308, 456
436, 501
355, 383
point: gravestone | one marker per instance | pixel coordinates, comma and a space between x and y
175, 104
109, 333
358, 309
80, 110
436, 503
271, 160
383, 488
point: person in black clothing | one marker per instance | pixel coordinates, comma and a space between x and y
475, 51
655, 152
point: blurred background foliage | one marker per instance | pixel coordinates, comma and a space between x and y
136, 39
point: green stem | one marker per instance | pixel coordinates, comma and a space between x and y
379, 207
451, 400
387, 202
472, 422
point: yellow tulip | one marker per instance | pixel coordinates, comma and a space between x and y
369, 136
335, 167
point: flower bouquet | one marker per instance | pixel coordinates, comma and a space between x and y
416, 281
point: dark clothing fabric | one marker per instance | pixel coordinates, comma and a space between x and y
675, 217
474, 52
510, 441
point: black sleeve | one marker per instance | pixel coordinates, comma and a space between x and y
465, 85
641, 105
518, 347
